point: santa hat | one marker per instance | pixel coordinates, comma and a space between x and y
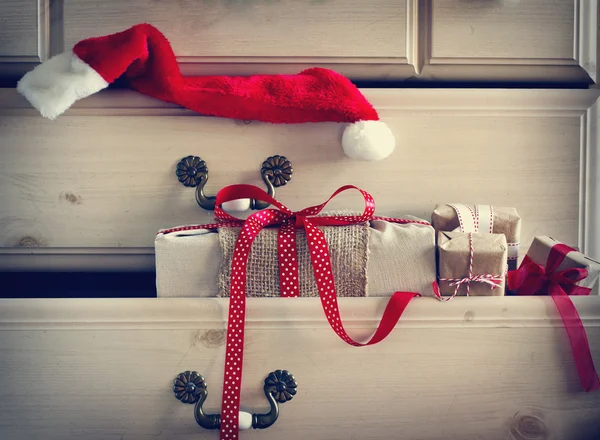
144, 58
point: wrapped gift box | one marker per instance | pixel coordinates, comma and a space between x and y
483, 219
374, 259
539, 251
487, 261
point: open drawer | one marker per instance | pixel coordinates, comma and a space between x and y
473, 368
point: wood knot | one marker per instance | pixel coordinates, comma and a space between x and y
28, 241
528, 427
469, 315
213, 338
73, 199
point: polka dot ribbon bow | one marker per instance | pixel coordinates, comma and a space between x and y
289, 286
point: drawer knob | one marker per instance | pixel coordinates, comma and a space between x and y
191, 171
279, 387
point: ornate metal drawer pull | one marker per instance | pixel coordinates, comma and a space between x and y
192, 171
280, 386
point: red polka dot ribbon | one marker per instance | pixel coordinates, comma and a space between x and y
288, 222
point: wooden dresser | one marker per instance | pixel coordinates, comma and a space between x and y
490, 101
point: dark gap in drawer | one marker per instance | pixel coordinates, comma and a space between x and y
77, 284
418, 83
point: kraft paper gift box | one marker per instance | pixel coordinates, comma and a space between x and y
483, 219
488, 260
540, 250
383, 257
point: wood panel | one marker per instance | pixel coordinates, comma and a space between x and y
19, 29
108, 181
229, 33
527, 30
64, 374
523, 41
412, 40
104, 177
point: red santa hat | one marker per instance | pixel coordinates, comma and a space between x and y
144, 58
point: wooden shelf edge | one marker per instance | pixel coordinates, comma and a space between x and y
285, 313
118, 102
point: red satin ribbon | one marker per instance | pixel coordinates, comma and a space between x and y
321, 263
534, 279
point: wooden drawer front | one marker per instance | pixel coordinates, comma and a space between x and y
533, 29
105, 177
19, 30
532, 40
519, 40
103, 369
284, 29
24, 38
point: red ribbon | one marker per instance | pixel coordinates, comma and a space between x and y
319, 252
534, 279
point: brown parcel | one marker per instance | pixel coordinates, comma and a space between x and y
506, 221
489, 257
540, 249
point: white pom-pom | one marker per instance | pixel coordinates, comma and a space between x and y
368, 140
238, 205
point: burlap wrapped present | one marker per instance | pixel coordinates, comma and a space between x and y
347, 250
367, 260
485, 219
487, 261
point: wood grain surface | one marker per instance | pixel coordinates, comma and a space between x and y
468, 369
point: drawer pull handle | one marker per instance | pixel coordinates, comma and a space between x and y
191, 171
279, 387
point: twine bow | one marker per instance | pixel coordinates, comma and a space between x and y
492, 280
534, 279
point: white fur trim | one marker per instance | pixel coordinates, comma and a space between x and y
368, 140
54, 86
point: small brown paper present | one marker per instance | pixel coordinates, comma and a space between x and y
504, 220
540, 250
489, 258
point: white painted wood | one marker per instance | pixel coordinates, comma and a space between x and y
389, 40
534, 40
360, 314
285, 29
19, 30
586, 41
529, 30
591, 182
103, 369
236, 37
103, 174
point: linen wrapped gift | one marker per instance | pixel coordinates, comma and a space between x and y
471, 264
555, 269
484, 219
375, 258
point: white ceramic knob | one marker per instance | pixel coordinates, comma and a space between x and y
245, 420
238, 205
